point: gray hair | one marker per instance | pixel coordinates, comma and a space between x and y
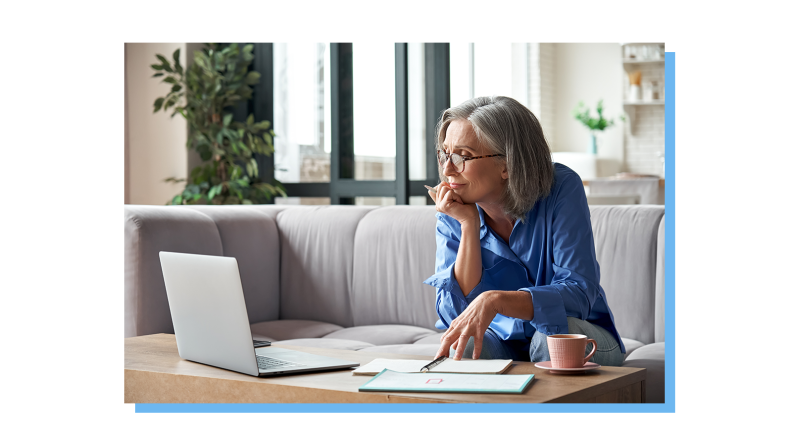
508, 128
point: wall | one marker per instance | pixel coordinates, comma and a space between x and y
589, 72
542, 88
154, 142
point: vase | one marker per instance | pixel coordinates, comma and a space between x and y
593, 144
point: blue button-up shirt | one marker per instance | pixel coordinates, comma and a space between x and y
549, 254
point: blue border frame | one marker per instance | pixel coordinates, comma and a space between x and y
670, 305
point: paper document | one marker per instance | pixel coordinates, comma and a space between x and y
390, 381
490, 366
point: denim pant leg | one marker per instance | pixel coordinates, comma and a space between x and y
608, 350
492, 347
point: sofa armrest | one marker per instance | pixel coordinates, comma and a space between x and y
660, 284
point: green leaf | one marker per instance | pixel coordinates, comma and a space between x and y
250, 120
227, 119
158, 74
156, 67
165, 64
252, 78
176, 88
177, 64
214, 191
158, 104
170, 80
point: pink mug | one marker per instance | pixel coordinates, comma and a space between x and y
567, 351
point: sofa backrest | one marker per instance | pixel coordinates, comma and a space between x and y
626, 242
317, 245
361, 265
211, 230
394, 254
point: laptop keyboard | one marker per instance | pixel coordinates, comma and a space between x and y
267, 363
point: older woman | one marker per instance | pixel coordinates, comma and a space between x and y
515, 250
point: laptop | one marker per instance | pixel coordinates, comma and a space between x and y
211, 323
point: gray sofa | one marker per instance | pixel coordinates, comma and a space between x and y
349, 277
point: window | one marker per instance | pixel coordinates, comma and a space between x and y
353, 122
489, 69
302, 136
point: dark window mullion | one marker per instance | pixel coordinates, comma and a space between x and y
402, 142
342, 153
263, 104
438, 98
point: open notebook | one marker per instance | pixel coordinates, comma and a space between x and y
485, 366
390, 381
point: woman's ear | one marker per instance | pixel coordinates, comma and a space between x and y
505, 173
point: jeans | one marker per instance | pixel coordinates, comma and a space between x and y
608, 350
492, 347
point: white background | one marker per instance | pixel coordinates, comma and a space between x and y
62, 239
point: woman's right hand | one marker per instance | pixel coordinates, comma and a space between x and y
448, 202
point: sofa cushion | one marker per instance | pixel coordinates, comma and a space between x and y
382, 334
292, 329
631, 345
625, 238
240, 228
652, 358
405, 349
394, 254
337, 344
317, 245
432, 339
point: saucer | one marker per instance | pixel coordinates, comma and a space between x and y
548, 366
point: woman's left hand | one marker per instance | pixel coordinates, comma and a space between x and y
473, 322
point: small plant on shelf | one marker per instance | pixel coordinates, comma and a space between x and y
204, 94
594, 124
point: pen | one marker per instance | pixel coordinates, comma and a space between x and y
432, 364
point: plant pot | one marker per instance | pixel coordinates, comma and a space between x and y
593, 144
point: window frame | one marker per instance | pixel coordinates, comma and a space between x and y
342, 187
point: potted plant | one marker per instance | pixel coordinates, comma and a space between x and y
582, 114
204, 94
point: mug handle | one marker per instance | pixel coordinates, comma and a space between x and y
593, 350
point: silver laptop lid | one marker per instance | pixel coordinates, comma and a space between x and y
208, 311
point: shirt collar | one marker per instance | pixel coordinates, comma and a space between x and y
482, 226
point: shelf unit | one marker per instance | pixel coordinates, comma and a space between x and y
642, 143
631, 109
639, 61
629, 65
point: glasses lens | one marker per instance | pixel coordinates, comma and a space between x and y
458, 162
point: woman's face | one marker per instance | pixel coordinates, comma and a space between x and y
483, 179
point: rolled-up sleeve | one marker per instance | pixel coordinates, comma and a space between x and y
575, 284
451, 302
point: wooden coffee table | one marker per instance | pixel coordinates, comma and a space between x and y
154, 373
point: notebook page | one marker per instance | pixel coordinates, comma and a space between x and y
472, 366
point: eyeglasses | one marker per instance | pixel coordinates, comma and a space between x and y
457, 160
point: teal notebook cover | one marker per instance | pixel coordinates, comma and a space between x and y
390, 381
